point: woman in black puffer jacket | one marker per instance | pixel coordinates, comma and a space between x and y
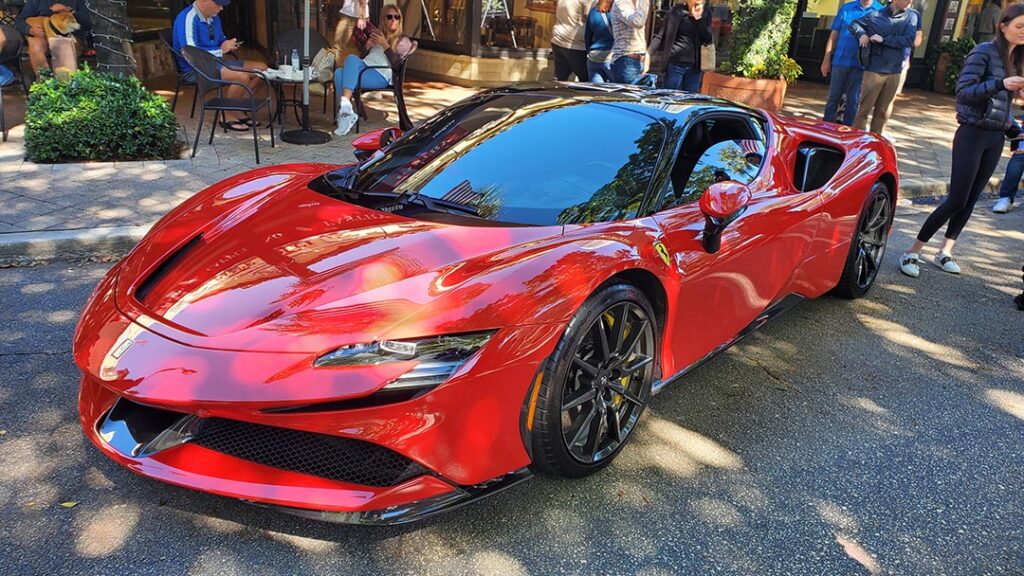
984, 94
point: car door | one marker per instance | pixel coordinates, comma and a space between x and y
720, 294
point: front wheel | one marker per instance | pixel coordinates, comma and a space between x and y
868, 244
596, 384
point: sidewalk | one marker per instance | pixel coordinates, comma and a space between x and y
49, 209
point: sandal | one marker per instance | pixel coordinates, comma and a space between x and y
250, 122
236, 126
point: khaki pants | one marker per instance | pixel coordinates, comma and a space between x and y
877, 93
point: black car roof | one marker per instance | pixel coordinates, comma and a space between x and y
670, 103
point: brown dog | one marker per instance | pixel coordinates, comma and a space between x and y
61, 24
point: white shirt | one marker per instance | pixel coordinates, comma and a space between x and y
570, 19
350, 8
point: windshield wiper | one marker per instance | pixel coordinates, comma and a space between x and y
438, 204
341, 182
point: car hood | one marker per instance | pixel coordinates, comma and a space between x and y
285, 261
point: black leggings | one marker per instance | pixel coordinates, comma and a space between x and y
976, 153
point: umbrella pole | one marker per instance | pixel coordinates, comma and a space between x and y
305, 136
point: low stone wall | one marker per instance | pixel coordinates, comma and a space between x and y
465, 70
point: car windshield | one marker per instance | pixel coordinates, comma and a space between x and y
524, 159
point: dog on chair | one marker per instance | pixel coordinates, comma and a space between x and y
63, 46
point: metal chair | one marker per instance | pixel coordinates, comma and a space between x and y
208, 68
294, 40
397, 81
167, 37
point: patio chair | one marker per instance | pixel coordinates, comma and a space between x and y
208, 79
167, 37
293, 40
397, 81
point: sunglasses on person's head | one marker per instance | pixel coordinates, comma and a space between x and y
393, 16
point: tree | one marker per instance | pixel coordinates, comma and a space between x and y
112, 34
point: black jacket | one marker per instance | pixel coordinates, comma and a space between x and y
981, 98
660, 49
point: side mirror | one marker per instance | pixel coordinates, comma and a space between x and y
373, 141
722, 203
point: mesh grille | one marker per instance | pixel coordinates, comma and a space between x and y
342, 459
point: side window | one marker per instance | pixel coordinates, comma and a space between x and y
714, 150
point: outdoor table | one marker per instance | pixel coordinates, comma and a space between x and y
280, 83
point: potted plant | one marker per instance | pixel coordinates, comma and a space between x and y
945, 63
758, 68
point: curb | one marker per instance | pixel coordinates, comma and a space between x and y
23, 247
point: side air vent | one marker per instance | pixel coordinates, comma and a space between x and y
164, 267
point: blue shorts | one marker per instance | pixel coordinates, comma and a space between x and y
191, 75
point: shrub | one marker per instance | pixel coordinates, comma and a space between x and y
97, 116
761, 32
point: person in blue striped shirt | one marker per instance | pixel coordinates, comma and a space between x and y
199, 25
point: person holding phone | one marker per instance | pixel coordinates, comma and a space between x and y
677, 44
990, 77
384, 46
199, 25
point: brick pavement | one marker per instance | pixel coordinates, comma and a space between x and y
36, 197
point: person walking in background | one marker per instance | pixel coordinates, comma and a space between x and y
675, 48
918, 38
629, 53
567, 43
990, 76
354, 14
988, 22
385, 46
842, 63
599, 39
885, 35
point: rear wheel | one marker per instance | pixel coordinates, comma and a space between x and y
597, 383
868, 245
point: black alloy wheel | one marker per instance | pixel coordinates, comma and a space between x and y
868, 244
597, 384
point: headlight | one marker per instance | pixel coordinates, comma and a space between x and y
438, 357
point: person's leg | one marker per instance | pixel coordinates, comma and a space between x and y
630, 71
963, 172
854, 79
673, 76
869, 89
595, 71
1011, 181
885, 101
578, 63
836, 83
989, 159
691, 80
38, 49
903, 76
562, 67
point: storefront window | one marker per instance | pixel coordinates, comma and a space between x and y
149, 15
444, 22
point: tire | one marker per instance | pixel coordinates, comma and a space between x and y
867, 247
584, 386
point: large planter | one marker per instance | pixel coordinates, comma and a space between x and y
766, 94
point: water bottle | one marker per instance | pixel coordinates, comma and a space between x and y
295, 59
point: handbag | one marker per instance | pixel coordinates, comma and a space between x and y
707, 57
321, 69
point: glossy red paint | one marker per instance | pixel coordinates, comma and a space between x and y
370, 141
723, 199
276, 275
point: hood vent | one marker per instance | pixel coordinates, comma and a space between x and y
164, 267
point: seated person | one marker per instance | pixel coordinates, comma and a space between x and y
385, 46
36, 35
199, 25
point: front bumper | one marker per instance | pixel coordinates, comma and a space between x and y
465, 436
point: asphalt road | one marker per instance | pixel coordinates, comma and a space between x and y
882, 436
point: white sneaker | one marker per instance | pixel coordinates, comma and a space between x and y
346, 120
910, 264
1002, 206
346, 107
947, 263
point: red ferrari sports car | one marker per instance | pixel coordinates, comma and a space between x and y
500, 290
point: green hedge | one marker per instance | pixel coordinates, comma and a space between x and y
761, 33
97, 116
